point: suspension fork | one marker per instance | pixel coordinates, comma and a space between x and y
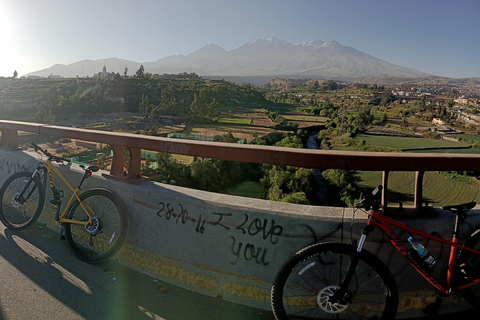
342, 295
37, 172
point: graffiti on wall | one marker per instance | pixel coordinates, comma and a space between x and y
11, 167
250, 227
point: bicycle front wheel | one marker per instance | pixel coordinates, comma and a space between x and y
305, 283
22, 198
468, 268
104, 237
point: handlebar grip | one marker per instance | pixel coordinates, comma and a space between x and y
35, 146
377, 190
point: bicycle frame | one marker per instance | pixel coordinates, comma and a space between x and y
51, 170
376, 219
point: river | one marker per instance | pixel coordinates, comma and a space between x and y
322, 192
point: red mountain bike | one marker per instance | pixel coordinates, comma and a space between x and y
344, 281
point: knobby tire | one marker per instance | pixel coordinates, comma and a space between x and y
110, 231
20, 214
303, 284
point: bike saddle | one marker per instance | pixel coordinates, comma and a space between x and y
459, 208
93, 168
90, 168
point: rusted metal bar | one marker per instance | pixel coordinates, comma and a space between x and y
307, 158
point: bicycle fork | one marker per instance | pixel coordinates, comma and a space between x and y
20, 198
342, 295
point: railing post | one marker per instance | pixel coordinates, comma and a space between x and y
9, 139
117, 170
134, 168
385, 187
418, 190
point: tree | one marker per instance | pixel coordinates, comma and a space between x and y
125, 72
199, 103
212, 109
206, 175
140, 72
364, 119
15, 74
384, 117
167, 100
145, 107
450, 103
387, 96
290, 141
404, 121
343, 183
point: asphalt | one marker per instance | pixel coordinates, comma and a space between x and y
41, 279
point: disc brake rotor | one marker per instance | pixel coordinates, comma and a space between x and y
94, 228
323, 300
15, 203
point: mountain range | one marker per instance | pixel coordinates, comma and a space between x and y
261, 58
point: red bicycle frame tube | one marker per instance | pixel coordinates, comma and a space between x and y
376, 219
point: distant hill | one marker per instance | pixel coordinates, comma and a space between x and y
431, 80
260, 58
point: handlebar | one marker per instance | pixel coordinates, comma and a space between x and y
371, 201
50, 156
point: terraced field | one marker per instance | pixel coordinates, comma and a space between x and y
402, 143
438, 190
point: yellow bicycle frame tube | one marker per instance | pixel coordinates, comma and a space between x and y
75, 196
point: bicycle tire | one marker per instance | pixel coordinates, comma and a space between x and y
105, 237
16, 214
468, 267
303, 284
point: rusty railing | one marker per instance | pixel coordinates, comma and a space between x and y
307, 158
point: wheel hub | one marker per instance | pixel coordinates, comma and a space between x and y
323, 300
94, 228
15, 202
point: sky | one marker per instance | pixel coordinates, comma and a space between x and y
440, 37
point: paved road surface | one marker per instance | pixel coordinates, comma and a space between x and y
41, 279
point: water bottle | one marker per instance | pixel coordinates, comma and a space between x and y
422, 253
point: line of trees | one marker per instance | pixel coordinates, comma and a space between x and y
150, 96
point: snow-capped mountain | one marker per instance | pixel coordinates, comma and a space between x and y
261, 57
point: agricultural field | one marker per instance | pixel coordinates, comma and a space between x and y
235, 120
403, 143
438, 189
304, 117
468, 137
238, 131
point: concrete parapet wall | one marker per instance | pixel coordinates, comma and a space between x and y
231, 247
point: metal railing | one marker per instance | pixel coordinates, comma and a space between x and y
307, 158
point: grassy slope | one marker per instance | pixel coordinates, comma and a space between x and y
437, 189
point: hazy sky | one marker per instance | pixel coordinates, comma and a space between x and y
440, 37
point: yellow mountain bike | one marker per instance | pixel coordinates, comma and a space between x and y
94, 222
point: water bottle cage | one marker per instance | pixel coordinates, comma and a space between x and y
425, 266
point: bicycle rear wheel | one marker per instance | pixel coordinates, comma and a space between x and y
20, 212
102, 239
304, 284
468, 267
